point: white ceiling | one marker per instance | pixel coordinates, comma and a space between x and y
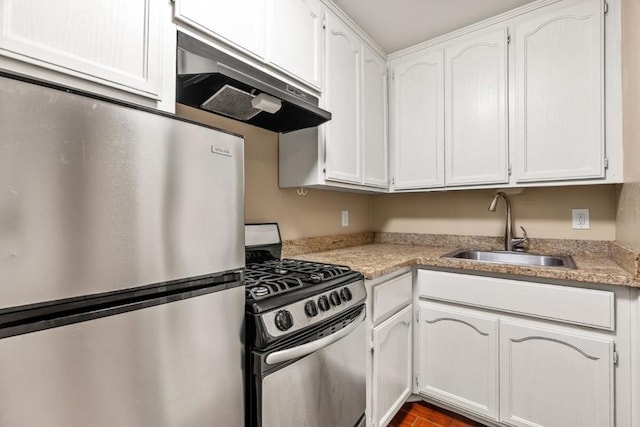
397, 24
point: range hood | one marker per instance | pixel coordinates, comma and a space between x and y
211, 80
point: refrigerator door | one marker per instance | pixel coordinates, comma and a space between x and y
175, 364
97, 197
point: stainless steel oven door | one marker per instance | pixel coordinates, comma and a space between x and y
325, 388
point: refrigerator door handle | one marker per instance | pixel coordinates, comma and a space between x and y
308, 348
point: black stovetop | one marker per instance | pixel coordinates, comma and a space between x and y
276, 282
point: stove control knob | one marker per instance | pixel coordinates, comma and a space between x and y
323, 303
284, 320
345, 293
335, 298
311, 309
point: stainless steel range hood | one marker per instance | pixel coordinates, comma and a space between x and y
211, 80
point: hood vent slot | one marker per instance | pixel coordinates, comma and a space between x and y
215, 81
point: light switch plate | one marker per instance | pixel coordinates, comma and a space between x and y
580, 219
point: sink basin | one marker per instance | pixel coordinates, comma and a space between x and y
518, 258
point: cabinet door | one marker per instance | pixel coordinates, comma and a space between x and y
458, 357
392, 367
476, 110
342, 98
417, 133
116, 43
374, 119
554, 377
240, 23
560, 94
294, 38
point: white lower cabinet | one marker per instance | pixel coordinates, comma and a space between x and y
390, 365
555, 377
513, 359
459, 357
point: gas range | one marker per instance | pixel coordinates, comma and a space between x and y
287, 296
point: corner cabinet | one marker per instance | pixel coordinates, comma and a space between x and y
522, 353
375, 145
350, 150
449, 114
559, 75
115, 48
390, 367
417, 121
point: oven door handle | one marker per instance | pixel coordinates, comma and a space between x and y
310, 347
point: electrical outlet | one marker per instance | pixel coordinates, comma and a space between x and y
345, 218
580, 219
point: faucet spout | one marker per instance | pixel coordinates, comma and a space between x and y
508, 229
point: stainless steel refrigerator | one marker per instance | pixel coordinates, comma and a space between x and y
121, 256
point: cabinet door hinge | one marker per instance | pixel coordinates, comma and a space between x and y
615, 357
508, 37
417, 384
393, 181
509, 170
606, 7
606, 163
417, 316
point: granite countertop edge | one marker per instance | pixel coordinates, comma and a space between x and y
378, 259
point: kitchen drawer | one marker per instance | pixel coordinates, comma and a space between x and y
390, 296
580, 306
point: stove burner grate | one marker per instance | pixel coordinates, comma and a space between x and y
261, 285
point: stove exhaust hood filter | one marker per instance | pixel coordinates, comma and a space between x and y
231, 102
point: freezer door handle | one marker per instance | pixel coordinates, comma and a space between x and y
308, 348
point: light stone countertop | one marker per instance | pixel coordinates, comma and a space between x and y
377, 259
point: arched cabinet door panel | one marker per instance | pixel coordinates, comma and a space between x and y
559, 75
417, 121
554, 377
458, 354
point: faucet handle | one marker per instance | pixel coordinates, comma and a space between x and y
518, 244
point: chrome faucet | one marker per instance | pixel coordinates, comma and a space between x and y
510, 244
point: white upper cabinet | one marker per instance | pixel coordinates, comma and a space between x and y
116, 43
351, 150
559, 57
284, 34
374, 119
417, 121
295, 38
342, 99
476, 132
240, 23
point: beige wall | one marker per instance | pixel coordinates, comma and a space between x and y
319, 213
628, 217
543, 212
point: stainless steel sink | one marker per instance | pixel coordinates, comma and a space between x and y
518, 258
